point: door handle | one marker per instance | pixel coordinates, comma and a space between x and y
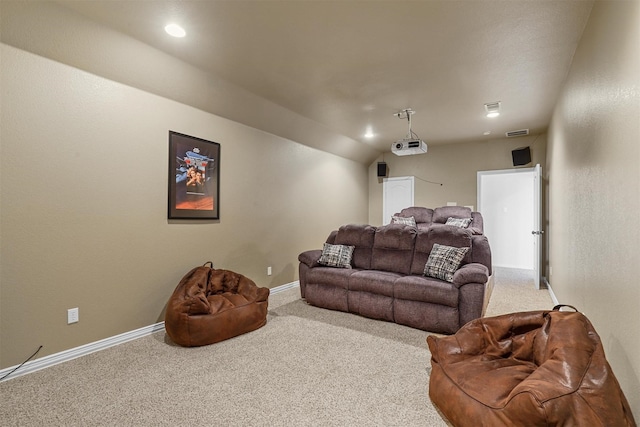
538, 232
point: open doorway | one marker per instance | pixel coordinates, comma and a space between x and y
510, 203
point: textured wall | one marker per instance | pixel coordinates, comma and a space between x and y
84, 205
594, 177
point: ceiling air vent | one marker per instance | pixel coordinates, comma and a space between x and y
514, 133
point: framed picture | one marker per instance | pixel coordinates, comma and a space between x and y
194, 177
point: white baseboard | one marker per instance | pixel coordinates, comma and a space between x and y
285, 287
553, 296
83, 350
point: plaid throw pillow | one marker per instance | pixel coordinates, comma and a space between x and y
336, 255
402, 220
444, 261
459, 222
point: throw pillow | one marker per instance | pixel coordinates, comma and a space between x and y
336, 255
459, 222
444, 261
402, 220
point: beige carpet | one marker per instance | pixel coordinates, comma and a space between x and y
308, 366
514, 291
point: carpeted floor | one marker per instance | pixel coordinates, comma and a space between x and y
308, 366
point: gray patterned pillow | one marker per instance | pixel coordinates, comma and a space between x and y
336, 255
459, 222
444, 261
402, 220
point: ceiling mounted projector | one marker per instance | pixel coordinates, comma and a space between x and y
411, 144
408, 147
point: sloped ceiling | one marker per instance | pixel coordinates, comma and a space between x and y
328, 71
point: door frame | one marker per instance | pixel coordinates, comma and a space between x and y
537, 214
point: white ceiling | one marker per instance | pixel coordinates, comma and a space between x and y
349, 65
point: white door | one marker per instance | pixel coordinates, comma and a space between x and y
510, 203
397, 194
537, 230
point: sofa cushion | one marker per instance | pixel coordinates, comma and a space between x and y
444, 235
480, 251
336, 255
373, 281
426, 289
444, 261
421, 215
393, 248
478, 222
328, 287
441, 214
421, 251
361, 237
371, 294
337, 277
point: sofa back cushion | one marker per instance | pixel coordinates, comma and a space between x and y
393, 248
360, 236
478, 221
331, 239
421, 215
481, 252
441, 214
443, 235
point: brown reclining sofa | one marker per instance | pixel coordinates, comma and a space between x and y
385, 277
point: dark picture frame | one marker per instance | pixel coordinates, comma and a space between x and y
194, 177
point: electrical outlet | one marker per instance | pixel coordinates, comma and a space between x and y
73, 315
269, 271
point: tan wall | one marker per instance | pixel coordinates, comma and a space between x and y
455, 166
594, 176
84, 205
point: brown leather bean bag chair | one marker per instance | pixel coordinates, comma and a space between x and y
540, 368
210, 305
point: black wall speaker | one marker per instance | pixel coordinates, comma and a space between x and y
521, 156
382, 169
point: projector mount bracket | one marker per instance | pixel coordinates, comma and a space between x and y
406, 114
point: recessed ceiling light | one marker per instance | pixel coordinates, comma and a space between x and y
369, 133
493, 109
175, 30
487, 132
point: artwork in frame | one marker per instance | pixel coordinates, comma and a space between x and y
194, 177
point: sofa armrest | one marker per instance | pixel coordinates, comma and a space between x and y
310, 258
471, 273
